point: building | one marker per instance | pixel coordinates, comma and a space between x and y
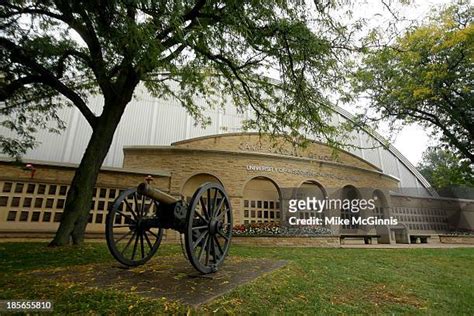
159, 138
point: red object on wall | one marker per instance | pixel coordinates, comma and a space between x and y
31, 168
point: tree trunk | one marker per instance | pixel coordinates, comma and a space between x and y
79, 197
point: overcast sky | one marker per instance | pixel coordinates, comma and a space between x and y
413, 140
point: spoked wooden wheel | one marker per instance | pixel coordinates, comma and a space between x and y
209, 228
130, 236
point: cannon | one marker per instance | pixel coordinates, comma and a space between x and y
138, 216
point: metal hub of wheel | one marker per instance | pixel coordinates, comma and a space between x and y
214, 226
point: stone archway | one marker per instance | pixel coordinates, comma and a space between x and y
261, 201
194, 182
349, 192
310, 189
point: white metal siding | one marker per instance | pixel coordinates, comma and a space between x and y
152, 121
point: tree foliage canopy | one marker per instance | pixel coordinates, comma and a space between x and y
56, 50
427, 76
76, 48
445, 171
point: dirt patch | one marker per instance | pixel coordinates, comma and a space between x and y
171, 277
378, 295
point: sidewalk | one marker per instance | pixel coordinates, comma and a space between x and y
410, 246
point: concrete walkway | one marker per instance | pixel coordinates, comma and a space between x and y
409, 246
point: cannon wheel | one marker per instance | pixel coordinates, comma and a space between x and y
129, 241
209, 228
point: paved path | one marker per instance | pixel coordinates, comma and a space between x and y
409, 246
167, 276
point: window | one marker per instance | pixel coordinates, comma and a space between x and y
31, 188
11, 216
258, 212
52, 189
63, 190
23, 216
118, 220
98, 218
57, 217
7, 187
101, 206
27, 202
39, 202
16, 202
3, 200
19, 188
35, 217
60, 203
49, 203
41, 189
46, 216
103, 193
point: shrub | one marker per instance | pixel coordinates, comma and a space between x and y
275, 229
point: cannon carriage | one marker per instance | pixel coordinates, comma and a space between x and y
138, 217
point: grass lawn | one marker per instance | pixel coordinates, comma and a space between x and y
316, 280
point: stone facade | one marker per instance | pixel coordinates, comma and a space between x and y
323, 241
32, 202
227, 159
465, 240
259, 174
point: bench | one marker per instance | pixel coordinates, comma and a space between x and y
359, 239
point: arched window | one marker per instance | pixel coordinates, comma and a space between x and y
350, 193
311, 189
261, 201
195, 182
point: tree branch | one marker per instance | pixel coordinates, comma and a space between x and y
46, 77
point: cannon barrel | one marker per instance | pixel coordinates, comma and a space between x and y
155, 194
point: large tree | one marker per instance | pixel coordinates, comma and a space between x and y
427, 76
447, 173
58, 52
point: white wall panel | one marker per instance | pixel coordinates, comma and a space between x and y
390, 163
151, 121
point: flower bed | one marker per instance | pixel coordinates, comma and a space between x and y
274, 229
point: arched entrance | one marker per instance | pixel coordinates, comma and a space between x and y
350, 193
191, 185
311, 189
261, 201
